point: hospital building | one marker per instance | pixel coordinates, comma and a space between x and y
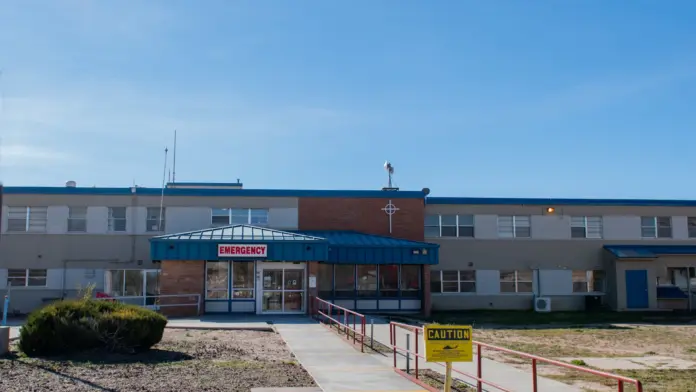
201, 248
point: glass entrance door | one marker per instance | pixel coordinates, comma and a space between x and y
283, 290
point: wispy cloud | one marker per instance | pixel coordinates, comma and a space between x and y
18, 155
597, 94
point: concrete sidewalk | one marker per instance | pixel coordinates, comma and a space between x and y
498, 373
335, 365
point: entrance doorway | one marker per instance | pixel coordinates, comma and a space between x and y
281, 288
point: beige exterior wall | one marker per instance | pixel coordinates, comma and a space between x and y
550, 250
71, 257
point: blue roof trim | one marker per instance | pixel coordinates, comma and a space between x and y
59, 190
205, 183
560, 202
649, 251
216, 192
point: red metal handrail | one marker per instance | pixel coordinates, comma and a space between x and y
479, 362
326, 310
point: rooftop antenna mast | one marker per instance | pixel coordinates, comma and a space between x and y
390, 171
174, 164
164, 178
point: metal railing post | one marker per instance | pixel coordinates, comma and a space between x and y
621, 388
392, 338
372, 333
408, 353
362, 338
416, 339
534, 375
479, 370
354, 330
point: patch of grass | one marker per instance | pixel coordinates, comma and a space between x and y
547, 350
238, 364
690, 350
475, 317
578, 362
653, 380
437, 380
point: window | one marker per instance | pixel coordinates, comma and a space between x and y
515, 281
586, 227
77, 219
432, 225
465, 226
239, 216
588, 281
410, 281
117, 219
155, 218
28, 219
388, 280
453, 281
367, 280
242, 280
325, 280
217, 279
143, 284
691, 223
26, 277
344, 276
449, 226
221, 217
514, 226
580, 282
656, 226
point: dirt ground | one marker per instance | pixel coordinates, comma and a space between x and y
607, 341
185, 360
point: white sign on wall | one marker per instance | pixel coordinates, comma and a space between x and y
312, 282
242, 250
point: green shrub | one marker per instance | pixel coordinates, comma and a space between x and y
76, 325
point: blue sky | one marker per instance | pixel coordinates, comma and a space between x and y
470, 98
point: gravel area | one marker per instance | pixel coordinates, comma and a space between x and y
185, 360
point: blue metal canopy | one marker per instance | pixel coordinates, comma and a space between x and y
335, 247
649, 251
204, 245
350, 247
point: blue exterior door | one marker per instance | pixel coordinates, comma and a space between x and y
637, 289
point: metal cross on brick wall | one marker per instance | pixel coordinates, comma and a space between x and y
390, 209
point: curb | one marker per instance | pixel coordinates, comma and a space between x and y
222, 328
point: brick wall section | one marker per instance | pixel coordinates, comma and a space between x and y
182, 277
364, 215
312, 270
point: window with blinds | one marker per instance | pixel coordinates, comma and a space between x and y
28, 219
656, 226
691, 223
586, 227
77, 219
514, 226
461, 226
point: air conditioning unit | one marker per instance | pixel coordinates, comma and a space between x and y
542, 304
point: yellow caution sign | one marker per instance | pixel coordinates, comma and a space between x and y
448, 343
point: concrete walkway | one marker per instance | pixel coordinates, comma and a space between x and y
335, 365
501, 374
